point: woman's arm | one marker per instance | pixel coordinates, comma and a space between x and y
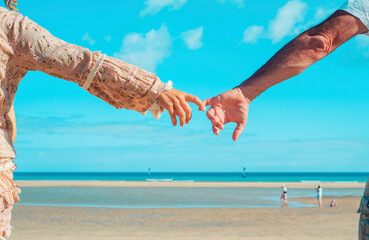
120, 84
11, 115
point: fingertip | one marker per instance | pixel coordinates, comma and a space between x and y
215, 130
236, 134
207, 102
238, 131
234, 137
202, 108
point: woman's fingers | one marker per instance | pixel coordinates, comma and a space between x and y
179, 111
176, 102
195, 100
187, 109
172, 115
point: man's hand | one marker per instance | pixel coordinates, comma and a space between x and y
175, 102
230, 106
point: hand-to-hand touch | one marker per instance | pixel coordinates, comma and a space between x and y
230, 106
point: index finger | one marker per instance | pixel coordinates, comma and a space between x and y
195, 100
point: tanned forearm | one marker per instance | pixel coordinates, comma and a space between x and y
306, 49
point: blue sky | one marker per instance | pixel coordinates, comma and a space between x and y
314, 122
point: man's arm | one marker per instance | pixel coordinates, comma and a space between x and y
306, 49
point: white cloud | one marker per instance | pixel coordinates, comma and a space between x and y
146, 51
192, 38
288, 21
320, 15
86, 37
152, 7
238, 3
288, 16
252, 34
108, 38
362, 43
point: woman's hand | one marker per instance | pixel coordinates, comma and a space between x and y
230, 106
175, 102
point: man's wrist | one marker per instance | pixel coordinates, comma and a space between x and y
248, 92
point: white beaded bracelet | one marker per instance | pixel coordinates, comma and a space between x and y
93, 72
155, 109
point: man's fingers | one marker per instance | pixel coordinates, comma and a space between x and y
238, 130
187, 109
211, 115
179, 111
195, 100
209, 101
214, 118
217, 122
215, 130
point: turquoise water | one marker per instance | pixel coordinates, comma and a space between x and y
199, 177
176, 197
173, 197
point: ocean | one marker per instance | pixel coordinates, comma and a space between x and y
170, 197
197, 176
180, 197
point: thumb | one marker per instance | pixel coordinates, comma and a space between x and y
238, 130
210, 101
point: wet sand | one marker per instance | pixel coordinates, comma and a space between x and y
41, 223
82, 223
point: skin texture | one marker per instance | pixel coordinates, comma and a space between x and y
300, 53
12, 119
176, 103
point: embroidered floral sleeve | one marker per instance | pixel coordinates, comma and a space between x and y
116, 82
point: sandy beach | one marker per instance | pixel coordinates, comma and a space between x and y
48, 222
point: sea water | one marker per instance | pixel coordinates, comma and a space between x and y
198, 176
169, 197
180, 197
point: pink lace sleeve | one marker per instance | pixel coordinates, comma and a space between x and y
116, 82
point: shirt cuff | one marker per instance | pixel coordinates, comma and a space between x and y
359, 9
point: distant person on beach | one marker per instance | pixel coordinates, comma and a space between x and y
319, 195
25, 46
284, 196
307, 48
333, 203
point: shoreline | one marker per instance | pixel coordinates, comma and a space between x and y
91, 183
